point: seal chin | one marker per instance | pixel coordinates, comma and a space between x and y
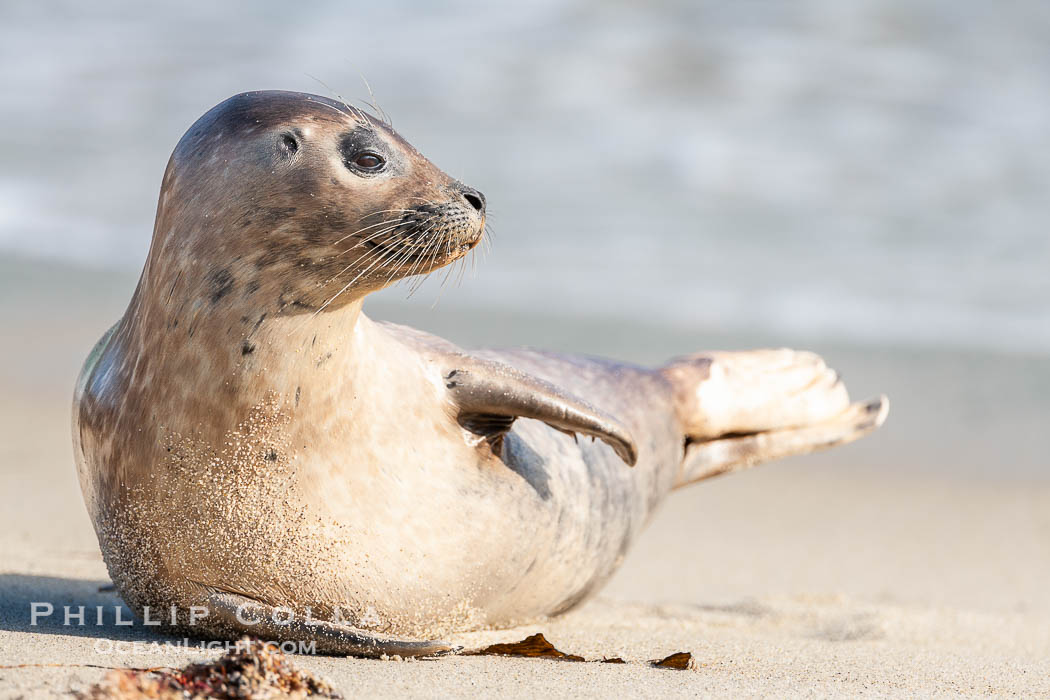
472, 242
468, 241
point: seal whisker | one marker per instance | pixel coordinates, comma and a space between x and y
365, 228
409, 253
449, 274
383, 211
430, 223
396, 262
422, 277
448, 251
364, 256
356, 113
387, 225
409, 227
374, 235
421, 256
375, 104
335, 296
404, 258
351, 282
396, 223
441, 287
461, 268
456, 270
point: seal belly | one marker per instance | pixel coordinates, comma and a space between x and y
444, 525
586, 506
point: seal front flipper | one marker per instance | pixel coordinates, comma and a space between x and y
489, 396
245, 615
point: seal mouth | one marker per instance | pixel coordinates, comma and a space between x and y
439, 234
395, 247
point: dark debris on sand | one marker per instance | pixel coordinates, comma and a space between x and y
681, 661
537, 647
534, 647
253, 670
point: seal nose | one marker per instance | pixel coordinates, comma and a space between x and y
474, 198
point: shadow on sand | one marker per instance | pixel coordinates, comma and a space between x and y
49, 596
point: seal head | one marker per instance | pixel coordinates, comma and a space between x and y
318, 203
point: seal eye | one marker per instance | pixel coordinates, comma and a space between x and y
366, 160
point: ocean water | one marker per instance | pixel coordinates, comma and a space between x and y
873, 173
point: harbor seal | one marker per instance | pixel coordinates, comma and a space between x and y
259, 456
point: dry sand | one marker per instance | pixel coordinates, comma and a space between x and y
830, 575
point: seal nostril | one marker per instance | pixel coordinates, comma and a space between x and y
476, 199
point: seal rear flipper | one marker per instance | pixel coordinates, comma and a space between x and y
708, 458
249, 616
752, 391
489, 396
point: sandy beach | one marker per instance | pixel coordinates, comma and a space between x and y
902, 565
866, 180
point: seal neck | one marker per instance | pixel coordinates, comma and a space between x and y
206, 335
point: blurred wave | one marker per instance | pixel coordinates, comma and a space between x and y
868, 171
